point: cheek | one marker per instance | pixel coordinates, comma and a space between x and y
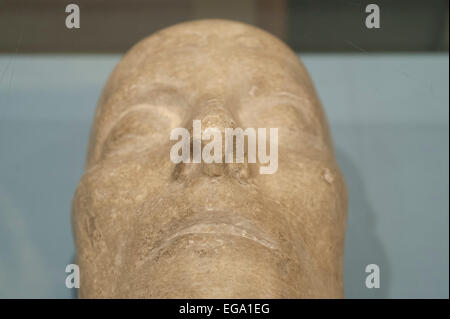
105, 209
111, 190
315, 194
120, 182
313, 188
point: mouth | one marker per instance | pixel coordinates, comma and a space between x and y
219, 223
225, 224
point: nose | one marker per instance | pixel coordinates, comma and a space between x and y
211, 116
214, 115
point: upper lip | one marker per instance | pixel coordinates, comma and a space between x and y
240, 229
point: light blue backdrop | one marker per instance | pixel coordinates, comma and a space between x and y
389, 118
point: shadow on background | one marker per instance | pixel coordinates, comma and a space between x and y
362, 246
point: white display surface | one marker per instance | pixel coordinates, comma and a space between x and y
389, 116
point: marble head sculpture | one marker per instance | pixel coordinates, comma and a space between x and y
148, 227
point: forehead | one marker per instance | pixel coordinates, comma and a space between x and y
204, 54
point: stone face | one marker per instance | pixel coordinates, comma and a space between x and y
146, 227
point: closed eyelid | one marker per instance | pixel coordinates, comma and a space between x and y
141, 120
153, 97
138, 108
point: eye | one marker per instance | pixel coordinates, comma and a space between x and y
141, 127
149, 121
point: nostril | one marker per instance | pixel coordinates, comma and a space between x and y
177, 171
214, 169
239, 171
